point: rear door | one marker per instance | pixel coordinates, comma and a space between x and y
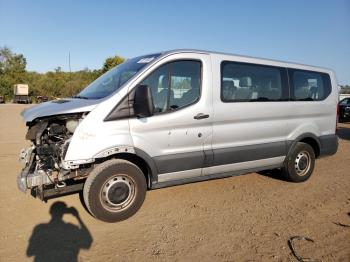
178, 136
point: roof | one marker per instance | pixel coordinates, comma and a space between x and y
285, 63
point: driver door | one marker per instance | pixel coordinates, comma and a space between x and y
178, 135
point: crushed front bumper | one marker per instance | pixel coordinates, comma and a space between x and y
26, 157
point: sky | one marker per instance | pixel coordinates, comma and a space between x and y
314, 32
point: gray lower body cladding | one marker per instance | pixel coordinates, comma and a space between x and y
216, 157
328, 145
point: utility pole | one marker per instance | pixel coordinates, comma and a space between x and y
69, 61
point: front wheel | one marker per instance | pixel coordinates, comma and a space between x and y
114, 190
300, 163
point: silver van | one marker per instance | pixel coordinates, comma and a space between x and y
177, 117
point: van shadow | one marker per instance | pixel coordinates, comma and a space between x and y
58, 240
274, 174
343, 132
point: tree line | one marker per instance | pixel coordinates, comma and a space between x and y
52, 84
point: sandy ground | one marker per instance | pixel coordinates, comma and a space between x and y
245, 218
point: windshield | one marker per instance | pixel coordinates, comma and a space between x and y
115, 78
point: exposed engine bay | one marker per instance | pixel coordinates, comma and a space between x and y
44, 166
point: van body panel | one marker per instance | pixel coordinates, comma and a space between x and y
316, 117
245, 131
93, 135
89, 145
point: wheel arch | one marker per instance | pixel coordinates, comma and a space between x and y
308, 138
140, 159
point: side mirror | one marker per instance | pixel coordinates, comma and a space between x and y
143, 101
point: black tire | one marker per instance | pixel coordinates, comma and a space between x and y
82, 201
114, 190
300, 163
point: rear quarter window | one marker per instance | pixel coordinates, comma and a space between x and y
309, 85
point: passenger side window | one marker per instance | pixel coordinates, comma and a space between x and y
243, 82
175, 85
309, 86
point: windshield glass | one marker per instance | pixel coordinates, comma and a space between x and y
115, 78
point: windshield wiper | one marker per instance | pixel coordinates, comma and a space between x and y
80, 97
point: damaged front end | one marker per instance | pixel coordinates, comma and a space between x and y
45, 172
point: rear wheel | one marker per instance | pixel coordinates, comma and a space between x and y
300, 163
114, 190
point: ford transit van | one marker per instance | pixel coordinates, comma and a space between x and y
177, 117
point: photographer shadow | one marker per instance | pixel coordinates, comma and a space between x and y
58, 240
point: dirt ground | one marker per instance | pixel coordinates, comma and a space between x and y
245, 218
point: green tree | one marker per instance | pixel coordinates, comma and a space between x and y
56, 83
111, 62
12, 71
10, 62
5, 88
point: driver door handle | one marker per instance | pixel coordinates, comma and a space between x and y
200, 116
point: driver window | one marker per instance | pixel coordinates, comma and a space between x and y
158, 83
185, 83
175, 85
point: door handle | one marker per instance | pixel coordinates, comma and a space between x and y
200, 116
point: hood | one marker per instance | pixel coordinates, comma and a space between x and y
59, 107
